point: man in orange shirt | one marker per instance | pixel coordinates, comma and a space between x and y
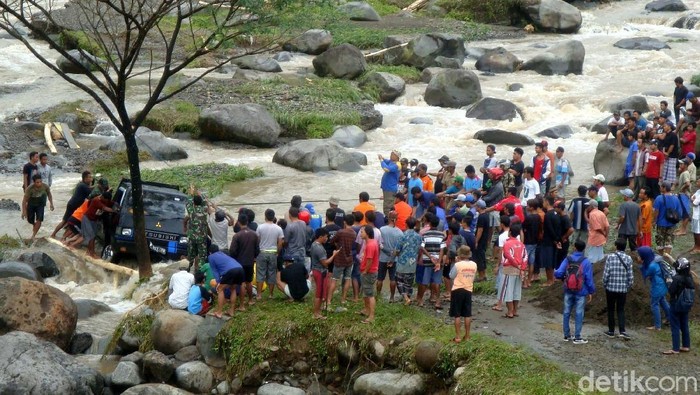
403, 211
598, 228
425, 177
645, 218
364, 206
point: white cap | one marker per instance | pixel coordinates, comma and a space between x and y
599, 177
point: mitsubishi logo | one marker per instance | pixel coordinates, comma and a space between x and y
158, 225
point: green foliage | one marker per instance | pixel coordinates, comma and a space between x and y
487, 11
383, 7
487, 287
138, 326
313, 124
695, 80
116, 166
8, 243
409, 74
75, 39
176, 116
84, 117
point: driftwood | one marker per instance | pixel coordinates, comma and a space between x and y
98, 262
49, 140
382, 51
416, 5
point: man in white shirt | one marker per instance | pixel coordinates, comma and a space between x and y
179, 288
599, 182
615, 123
219, 221
531, 187
44, 170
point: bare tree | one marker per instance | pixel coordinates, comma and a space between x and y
157, 38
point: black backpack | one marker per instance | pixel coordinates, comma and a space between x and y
685, 300
672, 214
573, 278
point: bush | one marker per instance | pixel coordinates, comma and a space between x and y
409, 74
695, 80
75, 39
177, 117
488, 11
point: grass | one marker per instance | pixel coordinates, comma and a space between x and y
409, 74
313, 124
8, 243
138, 326
73, 39
176, 116
487, 11
695, 80
84, 117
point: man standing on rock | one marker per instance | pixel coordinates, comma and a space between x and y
679, 96
652, 169
34, 202
628, 221
245, 246
390, 179
29, 169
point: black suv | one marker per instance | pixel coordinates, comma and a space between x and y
165, 211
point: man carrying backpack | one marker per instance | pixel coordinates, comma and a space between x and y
667, 214
682, 291
617, 280
577, 272
652, 270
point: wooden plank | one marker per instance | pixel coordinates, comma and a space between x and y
97, 262
49, 140
68, 135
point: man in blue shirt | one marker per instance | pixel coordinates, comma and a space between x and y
199, 299
421, 201
576, 298
472, 182
390, 179
228, 274
664, 228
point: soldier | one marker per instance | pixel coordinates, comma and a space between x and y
197, 229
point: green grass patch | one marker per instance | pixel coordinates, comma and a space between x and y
313, 124
138, 326
75, 39
487, 11
9, 243
383, 7
175, 116
409, 74
84, 117
695, 80
320, 89
116, 166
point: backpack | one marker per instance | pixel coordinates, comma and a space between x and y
667, 272
573, 278
672, 215
685, 301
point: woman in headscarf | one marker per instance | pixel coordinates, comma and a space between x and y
652, 271
680, 307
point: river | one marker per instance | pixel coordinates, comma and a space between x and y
577, 100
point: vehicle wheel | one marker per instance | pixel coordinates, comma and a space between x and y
156, 258
109, 255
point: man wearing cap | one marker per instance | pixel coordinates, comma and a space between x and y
663, 204
628, 222
439, 186
652, 169
452, 191
598, 228
615, 123
390, 179
561, 171
692, 171
683, 191
599, 182
333, 203
448, 175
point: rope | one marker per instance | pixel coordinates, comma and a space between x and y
285, 202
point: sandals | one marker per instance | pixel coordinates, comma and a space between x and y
367, 321
685, 349
495, 308
670, 352
457, 340
508, 316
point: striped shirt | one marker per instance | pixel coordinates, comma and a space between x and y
433, 242
617, 275
577, 208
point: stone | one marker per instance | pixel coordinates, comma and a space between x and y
301, 367
492, 108
393, 56
240, 123
420, 121
84, 59
475, 52
312, 42
129, 342
652, 93
447, 63
259, 63
359, 11
29, 365
71, 120
388, 86
349, 136
422, 51
555, 16
135, 357
80, 343
377, 350
194, 376
427, 354
390, 382
600, 127
666, 5
498, 60
557, 132
151, 141
37, 308
283, 56
498, 136
348, 355
359, 157
370, 118
610, 163
236, 385
688, 21
206, 338
189, 353
344, 61
279, 389
316, 156
29, 126
638, 103
515, 87
9, 204
155, 389
429, 73
158, 366
10, 269
106, 128
42, 262
641, 44
223, 388
458, 372
88, 308
127, 374
173, 330
453, 88
561, 59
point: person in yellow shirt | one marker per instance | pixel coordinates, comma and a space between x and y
364, 206
462, 275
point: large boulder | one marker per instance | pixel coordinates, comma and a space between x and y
492, 108
349, 136
453, 88
344, 61
42, 262
388, 86
552, 15
666, 5
155, 389
158, 366
107, 129
316, 156
561, 59
422, 51
194, 376
242, 123
126, 374
173, 330
359, 11
206, 337
88, 308
498, 136
429, 73
279, 389
638, 103
29, 365
151, 141
37, 308
391, 382
610, 163
641, 44
19, 269
498, 60
84, 59
600, 127
259, 63
688, 21
312, 42
427, 355
557, 132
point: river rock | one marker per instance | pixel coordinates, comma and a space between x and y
19, 269
206, 337
173, 330
344, 61
241, 123
88, 308
427, 354
359, 11
688, 21
37, 308
254, 376
370, 118
301, 367
348, 354
666, 5
349, 136
80, 343
29, 126
498, 136
458, 372
279, 389
557, 132
155, 389
498, 60
447, 63
316, 156
475, 52
422, 51
600, 127
194, 376
359, 157
135, 357
515, 87
84, 59
42, 262
610, 163
312, 42
127, 374
393, 56
151, 141
106, 128
420, 121
387, 85
429, 73
158, 366
189, 353
129, 342
390, 382
453, 88
283, 56
259, 63
641, 44
638, 103
29, 365
492, 108
9, 204
552, 15
561, 59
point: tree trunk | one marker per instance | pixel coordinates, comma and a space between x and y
143, 255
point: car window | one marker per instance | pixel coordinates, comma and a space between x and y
161, 205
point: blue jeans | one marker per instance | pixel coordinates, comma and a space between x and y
572, 301
657, 301
531, 251
679, 325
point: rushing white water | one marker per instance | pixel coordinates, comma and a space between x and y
578, 100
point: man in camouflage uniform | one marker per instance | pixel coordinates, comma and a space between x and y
197, 228
508, 178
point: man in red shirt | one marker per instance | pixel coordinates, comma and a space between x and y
514, 271
688, 140
369, 266
88, 225
403, 211
652, 169
511, 198
541, 165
